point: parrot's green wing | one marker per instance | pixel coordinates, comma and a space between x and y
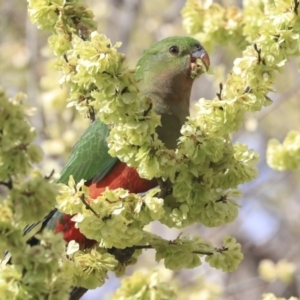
89, 158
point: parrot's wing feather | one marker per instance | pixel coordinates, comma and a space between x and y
28, 234
33, 229
89, 157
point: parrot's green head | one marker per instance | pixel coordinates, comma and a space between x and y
165, 74
174, 55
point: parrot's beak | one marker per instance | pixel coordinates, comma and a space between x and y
201, 54
199, 62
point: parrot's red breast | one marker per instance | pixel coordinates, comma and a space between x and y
120, 176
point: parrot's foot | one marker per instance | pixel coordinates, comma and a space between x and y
122, 255
165, 188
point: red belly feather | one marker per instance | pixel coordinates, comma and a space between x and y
120, 176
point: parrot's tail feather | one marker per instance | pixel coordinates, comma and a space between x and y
31, 230
29, 235
6, 260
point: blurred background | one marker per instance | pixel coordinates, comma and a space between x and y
268, 226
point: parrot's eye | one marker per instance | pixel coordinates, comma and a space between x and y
174, 50
198, 47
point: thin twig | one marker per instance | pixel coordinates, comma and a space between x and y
147, 111
258, 51
296, 6
219, 95
203, 253
87, 206
65, 58
220, 250
50, 175
143, 247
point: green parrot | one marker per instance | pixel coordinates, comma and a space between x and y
165, 74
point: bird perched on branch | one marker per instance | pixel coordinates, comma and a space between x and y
165, 74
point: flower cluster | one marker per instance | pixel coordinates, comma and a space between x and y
270, 296
64, 17
285, 156
145, 286
36, 271
283, 270
214, 24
